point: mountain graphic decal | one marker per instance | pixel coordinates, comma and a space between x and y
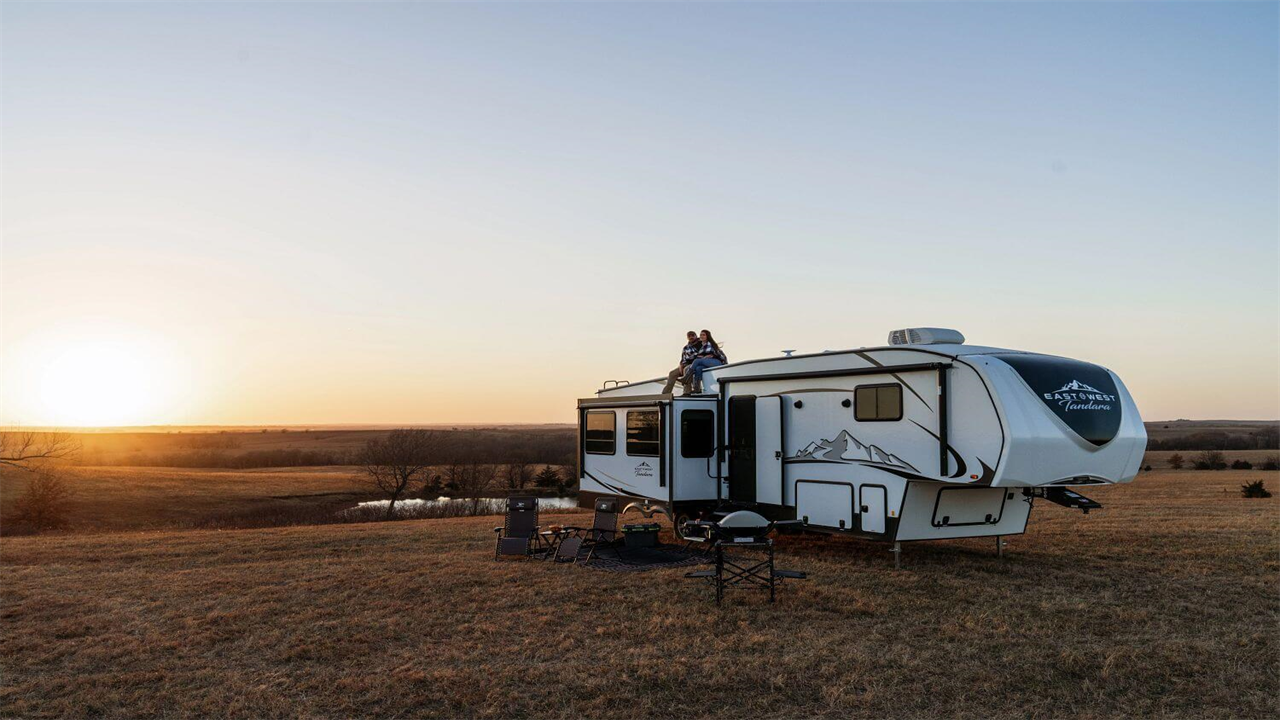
847, 448
1077, 386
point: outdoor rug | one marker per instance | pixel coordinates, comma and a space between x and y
641, 559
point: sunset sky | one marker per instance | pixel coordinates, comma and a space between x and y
348, 213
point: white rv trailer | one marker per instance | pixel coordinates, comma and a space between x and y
924, 439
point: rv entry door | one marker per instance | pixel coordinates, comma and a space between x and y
769, 450
755, 449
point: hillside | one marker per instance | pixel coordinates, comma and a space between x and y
1213, 435
1163, 603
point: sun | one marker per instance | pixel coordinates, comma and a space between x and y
104, 382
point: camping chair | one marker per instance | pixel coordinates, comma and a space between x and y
604, 527
518, 535
567, 550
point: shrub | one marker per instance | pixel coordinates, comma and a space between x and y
1255, 489
45, 504
1176, 461
1271, 463
1241, 465
547, 477
1210, 460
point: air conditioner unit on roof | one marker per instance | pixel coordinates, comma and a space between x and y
926, 336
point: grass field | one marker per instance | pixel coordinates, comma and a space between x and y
1164, 603
132, 498
137, 498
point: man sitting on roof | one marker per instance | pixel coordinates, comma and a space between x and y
684, 370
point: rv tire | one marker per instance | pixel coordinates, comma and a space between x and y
678, 521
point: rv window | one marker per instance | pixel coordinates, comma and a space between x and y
697, 433
877, 402
642, 433
600, 431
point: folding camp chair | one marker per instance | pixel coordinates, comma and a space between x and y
604, 527
567, 550
518, 536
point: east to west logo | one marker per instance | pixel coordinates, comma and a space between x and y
1075, 395
644, 470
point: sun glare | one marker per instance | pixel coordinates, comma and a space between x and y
103, 383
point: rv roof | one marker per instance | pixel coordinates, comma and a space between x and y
945, 349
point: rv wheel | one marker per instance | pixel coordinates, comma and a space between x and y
679, 522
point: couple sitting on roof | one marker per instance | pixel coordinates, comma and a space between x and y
698, 355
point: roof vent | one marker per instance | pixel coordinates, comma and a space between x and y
926, 336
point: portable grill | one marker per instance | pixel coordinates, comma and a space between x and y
750, 565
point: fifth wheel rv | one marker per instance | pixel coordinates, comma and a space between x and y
926, 438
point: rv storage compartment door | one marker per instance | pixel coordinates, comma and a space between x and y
769, 450
874, 499
825, 504
968, 506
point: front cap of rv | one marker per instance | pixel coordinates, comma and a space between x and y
1067, 422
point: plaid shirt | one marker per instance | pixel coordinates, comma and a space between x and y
709, 350
690, 352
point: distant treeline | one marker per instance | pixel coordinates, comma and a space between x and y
498, 447
1267, 438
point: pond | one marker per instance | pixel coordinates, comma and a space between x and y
443, 507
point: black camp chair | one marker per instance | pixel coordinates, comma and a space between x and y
518, 536
604, 527
567, 550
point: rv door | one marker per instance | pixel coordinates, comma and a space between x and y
769, 450
755, 449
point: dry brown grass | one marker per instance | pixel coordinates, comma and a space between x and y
126, 498
133, 498
1164, 603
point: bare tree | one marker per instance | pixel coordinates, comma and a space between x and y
394, 464
518, 474
472, 481
22, 449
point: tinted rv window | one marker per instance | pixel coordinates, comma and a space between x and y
877, 402
600, 432
697, 433
642, 433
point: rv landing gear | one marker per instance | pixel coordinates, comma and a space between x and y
897, 555
999, 546
648, 510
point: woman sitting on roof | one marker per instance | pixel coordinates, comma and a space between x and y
708, 357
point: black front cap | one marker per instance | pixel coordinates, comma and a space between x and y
1082, 395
